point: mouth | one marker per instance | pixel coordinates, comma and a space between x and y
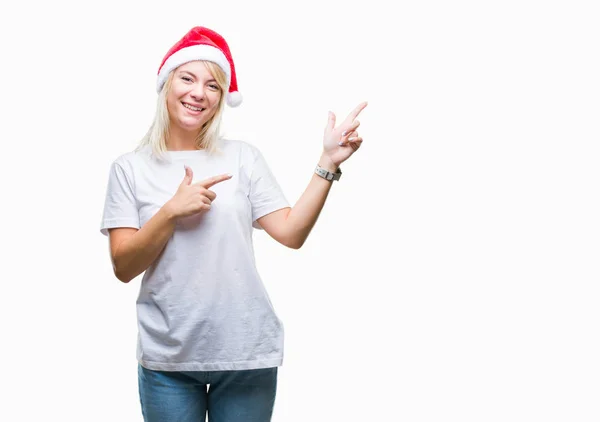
193, 108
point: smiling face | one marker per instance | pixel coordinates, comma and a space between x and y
194, 96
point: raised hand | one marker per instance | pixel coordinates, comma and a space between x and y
193, 198
339, 143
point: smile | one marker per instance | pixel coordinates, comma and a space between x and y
191, 107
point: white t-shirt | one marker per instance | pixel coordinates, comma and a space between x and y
202, 305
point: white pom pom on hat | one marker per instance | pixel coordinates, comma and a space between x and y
201, 44
234, 99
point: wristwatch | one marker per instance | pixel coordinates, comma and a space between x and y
327, 175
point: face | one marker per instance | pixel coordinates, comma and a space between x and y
194, 96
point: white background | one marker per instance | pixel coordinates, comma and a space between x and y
453, 274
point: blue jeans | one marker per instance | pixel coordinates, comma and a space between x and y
227, 396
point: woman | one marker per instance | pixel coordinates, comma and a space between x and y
182, 207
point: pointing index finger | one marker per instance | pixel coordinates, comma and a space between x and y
211, 181
354, 114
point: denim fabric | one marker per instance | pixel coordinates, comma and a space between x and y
227, 396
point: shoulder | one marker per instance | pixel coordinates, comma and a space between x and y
130, 160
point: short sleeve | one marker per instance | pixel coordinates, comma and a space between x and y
266, 196
120, 206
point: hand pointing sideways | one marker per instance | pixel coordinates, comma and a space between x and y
193, 198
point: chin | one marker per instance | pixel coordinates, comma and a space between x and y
190, 124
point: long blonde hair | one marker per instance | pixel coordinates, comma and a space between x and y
209, 134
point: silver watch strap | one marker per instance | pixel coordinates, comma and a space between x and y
327, 175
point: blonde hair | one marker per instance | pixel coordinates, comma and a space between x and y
158, 133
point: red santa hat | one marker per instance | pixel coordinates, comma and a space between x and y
201, 44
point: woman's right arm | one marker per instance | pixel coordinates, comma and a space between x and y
133, 250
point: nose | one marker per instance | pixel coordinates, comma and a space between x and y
198, 93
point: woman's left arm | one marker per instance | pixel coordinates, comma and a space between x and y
291, 226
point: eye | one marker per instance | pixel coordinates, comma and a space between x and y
214, 87
186, 78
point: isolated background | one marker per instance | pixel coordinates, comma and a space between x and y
453, 274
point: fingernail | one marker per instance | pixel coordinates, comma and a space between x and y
341, 143
345, 133
351, 139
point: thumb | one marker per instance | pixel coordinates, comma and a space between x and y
330, 123
189, 176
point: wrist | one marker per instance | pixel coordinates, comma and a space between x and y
326, 163
168, 211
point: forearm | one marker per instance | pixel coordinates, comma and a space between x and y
304, 214
136, 253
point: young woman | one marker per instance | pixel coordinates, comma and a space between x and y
181, 209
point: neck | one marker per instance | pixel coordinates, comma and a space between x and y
181, 140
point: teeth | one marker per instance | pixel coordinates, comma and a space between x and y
192, 107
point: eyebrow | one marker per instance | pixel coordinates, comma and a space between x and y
194, 76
